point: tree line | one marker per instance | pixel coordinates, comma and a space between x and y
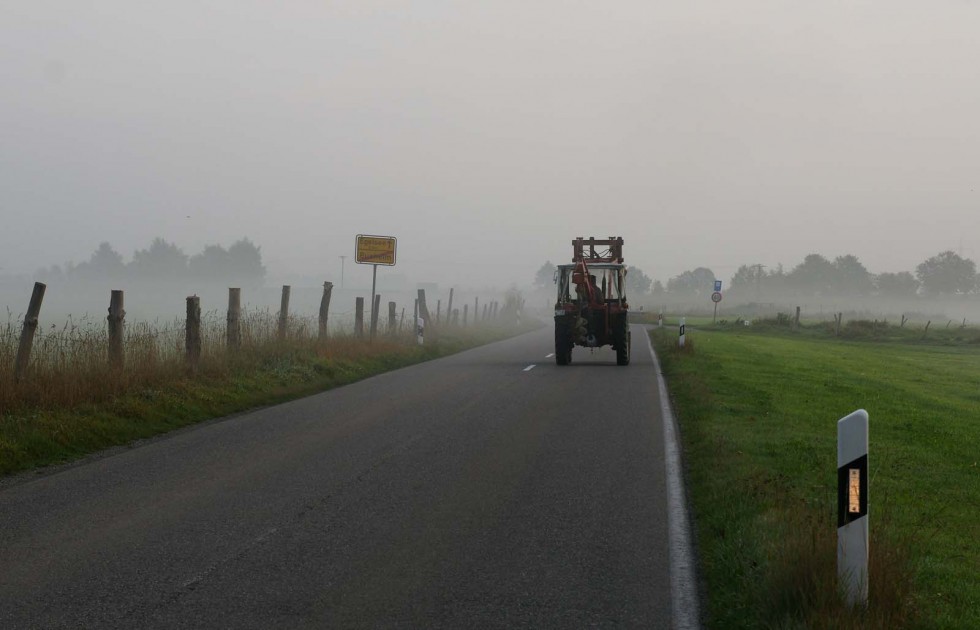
945, 274
239, 264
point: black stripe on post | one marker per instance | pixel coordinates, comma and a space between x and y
851, 507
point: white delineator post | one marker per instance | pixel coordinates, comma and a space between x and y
680, 340
852, 506
420, 329
660, 320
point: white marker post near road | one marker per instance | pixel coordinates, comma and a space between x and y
852, 506
420, 329
680, 340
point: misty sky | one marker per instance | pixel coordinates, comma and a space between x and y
486, 135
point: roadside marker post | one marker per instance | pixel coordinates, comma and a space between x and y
852, 506
680, 340
420, 328
660, 320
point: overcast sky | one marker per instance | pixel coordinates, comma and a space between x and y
486, 135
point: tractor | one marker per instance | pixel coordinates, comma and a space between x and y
591, 310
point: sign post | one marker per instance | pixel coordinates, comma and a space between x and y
715, 297
375, 250
852, 506
680, 340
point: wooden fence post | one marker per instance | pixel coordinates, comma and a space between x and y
796, 322
466, 312
117, 319
484, 318
926, 330
391, 318
284, 312
234, 319
324, 310
27, 333
375, 315
192, 334
449, 307
904, 319
438, 311
401, 320
476, 308
423, 310
359, 317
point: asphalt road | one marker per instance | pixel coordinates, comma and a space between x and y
469, 491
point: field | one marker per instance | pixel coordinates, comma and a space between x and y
73, 402
758, 411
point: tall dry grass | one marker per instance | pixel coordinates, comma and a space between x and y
69, 363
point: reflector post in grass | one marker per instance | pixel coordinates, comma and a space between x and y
852, 506
420, 329
683, 332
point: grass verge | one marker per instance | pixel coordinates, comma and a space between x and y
758, 419
39, 432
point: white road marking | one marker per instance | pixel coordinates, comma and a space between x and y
548, 356
683, 581
529, 368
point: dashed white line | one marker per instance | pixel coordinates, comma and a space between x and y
548, 356
529, 368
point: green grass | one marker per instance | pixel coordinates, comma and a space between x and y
33, 435
758, 412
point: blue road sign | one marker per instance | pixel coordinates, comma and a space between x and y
717, 285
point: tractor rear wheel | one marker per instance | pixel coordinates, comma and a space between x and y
563, 346
623, 351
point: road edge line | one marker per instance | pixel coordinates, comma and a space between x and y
684, 604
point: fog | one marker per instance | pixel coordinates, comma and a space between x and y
485, 136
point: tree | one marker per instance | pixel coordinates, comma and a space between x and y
815, 275
698, 282
902, 284
658, 288
947, 273
214, 263
245, 258
50, 275
851, 277
545, 275
748, 277
104, 264
162, 260
637, 282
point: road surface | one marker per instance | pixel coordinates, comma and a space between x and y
487, 489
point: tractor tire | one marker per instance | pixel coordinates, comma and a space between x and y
563, 346
623, 351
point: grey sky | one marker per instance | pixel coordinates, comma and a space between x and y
485, 135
